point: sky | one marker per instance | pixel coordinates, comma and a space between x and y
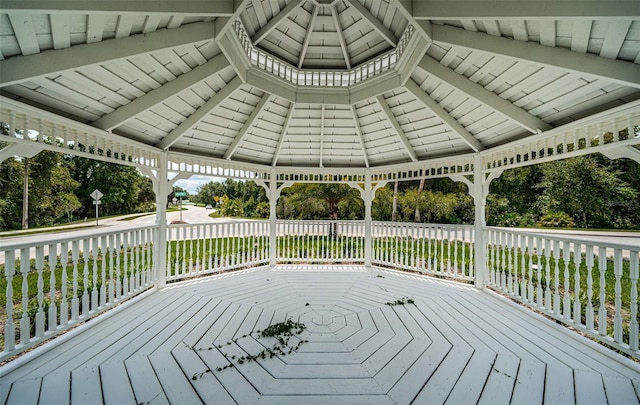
192, 184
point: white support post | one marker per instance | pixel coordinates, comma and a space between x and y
479, 199
160, 251
367, 196
273, 194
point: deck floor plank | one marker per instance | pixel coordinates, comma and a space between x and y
469, 386
499, 386
619, 390
455, 344
176, 386
559, 387
115, 384
589, 388
56, 389
146, 387
530, 378
85, 386
25, 392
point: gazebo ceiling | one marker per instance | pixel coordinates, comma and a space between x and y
342, 83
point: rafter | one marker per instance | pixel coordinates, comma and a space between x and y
441, 113
343, 44
618, 71
359, 133
375, 23
248, 124
530, 122
275, 21
307, 38
210, 8
523, 9
396, 125
21, 68
285, 128
200, 113
157, 96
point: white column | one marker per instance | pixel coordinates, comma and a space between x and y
272, 193
160, 251
367, 196
479, 200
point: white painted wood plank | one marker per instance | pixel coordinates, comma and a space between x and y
85, 386
175, 384
207, 386
559, 386
499, 385
146, 386
56, 388
468, 387
116, 388
25, 392
438, 366
589, 388
528, 383
619, 390
326, 399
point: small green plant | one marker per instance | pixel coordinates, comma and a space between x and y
402, 301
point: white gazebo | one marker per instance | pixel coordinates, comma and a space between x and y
359, 92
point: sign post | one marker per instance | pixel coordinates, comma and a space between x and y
96, 195
181, 194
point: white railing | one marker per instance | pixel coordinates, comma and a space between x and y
591, 286
324, 78
320, 242
196, 250
53, 285
441, 250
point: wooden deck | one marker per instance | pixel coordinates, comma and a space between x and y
455, 345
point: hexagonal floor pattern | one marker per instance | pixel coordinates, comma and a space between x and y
443, 342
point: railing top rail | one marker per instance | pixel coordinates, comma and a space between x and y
29, 243
220, 222
569, 239
420, 224
354, 221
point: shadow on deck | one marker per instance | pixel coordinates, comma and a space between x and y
455, 344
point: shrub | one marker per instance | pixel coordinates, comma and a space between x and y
556, 220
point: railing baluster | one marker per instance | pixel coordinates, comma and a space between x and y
25, 324
602, 309
617, 271
577, 305
633, 275
39, 270
118, 248
547, 274
539, 294
94, 291
86, 250
556, 277
75, 303
53, 307
9, 327
105, 254
566, 253
589, 309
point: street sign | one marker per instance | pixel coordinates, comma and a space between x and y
96, 195
181, 193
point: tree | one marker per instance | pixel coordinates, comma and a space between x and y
585, 189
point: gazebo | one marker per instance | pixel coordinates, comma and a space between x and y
344, 91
